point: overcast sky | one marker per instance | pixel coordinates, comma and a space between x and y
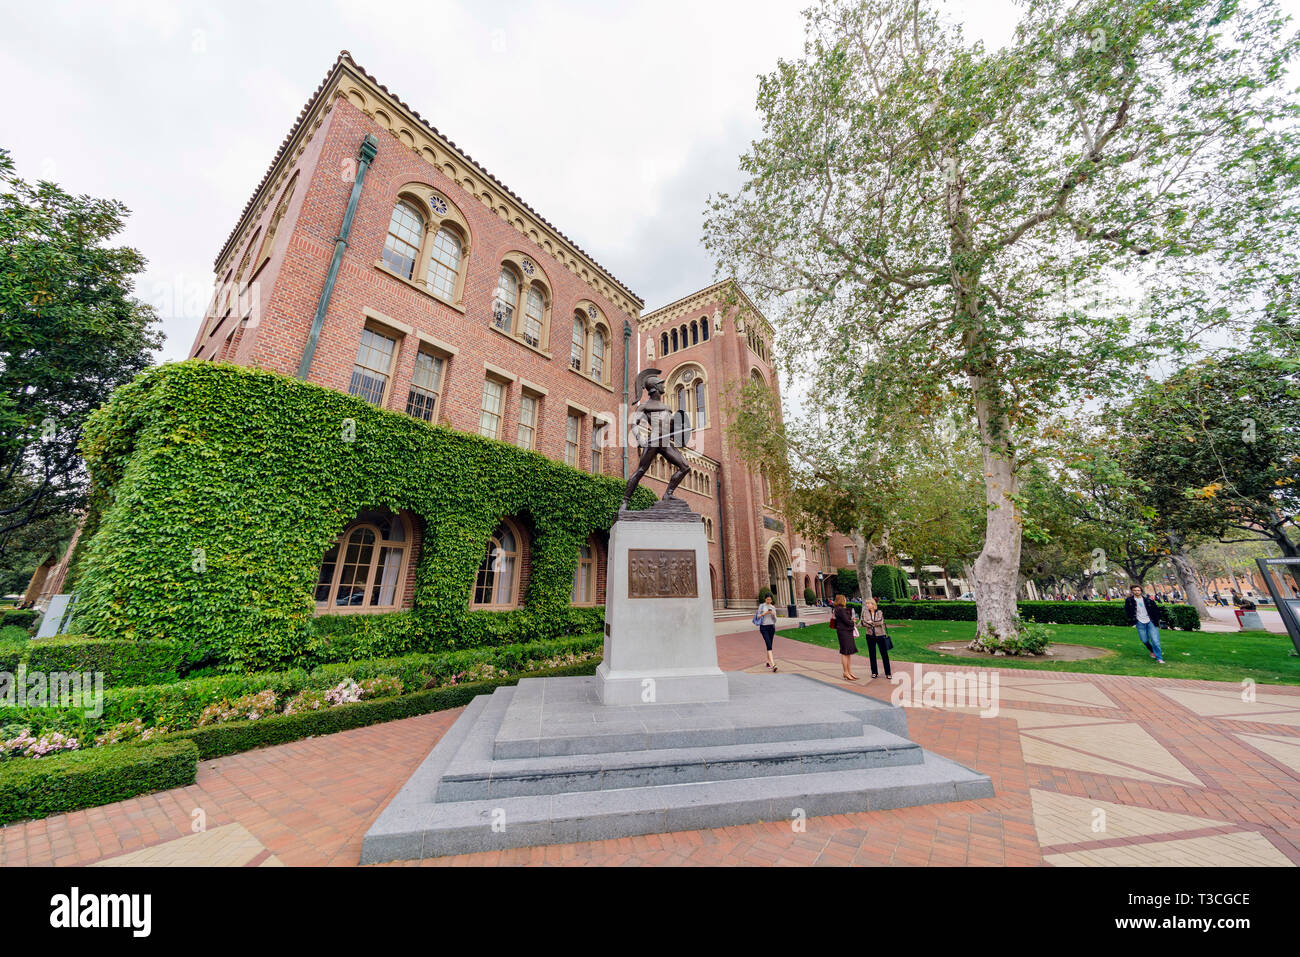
614, 120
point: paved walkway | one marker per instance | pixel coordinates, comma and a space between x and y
1088, 770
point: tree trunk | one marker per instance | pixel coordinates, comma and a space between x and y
1186, 576
866, 562
997, 569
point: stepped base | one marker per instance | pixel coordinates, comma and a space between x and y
546, 763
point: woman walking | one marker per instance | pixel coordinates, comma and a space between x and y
766, 618
842, 620
873, 625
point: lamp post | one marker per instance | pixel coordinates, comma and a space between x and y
790, 610
821, 588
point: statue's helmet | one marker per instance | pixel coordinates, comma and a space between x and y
647, 379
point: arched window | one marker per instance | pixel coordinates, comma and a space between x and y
663, 344
704, 328
598, 344
578, 347
584, 577
687, 388
701, 406
534, 309
685, 340
674, 340
679, 399
444, 263
507, 300
405, 233
363, 569
497, 583
695, 332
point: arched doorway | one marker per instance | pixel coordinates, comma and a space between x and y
713, 585
777, 562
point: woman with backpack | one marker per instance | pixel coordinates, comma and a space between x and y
845, 631
765, 618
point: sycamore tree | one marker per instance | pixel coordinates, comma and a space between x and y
70, 333
1218, 446
931, 221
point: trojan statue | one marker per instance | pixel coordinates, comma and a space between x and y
658, 431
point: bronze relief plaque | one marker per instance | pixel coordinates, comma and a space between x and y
661, 573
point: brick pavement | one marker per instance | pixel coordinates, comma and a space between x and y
1088, 770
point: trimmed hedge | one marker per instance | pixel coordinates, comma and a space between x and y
122, 662
181, 703
888, 583
231, 737
22, 617
1182, 617
218, 489
38, 787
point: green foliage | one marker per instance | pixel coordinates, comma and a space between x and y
177, 706
1029, 638
846, 582
232, 737
1182, 617
810, 596
123, 662
221, 488
35, 788
765, 593
23, 617
889, 583
70, 332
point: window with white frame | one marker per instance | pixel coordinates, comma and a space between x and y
373, 366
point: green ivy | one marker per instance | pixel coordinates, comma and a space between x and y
261, 473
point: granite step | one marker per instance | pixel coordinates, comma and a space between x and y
474, 773
548, 720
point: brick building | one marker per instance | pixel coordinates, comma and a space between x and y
376, 257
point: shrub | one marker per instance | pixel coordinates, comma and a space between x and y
1054, 612
888, 583
809, 596
24, 618
89, 778
765, 593
249, 470
122, 662
846, 582
216, 740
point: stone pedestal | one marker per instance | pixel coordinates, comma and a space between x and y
660, 646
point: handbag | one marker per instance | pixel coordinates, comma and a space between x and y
855, 631
758, 618
886, 642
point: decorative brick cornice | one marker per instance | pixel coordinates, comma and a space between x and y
689, 305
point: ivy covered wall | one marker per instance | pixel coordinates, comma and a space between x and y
218, 489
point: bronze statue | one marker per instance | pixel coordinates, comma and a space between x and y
658, 431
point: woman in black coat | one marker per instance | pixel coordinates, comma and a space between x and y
842, 621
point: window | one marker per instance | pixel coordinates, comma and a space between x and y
674, 340
597, 447
708, 529
496, 583
584, 577
364, 567
663, 344
374, 360
503, 309
695, 333
704, 328
527, 422
444, 264
598, 343
491, 409
849, 556
578, 347
701, 406
426, 385
572, 435
402, 247
534, 308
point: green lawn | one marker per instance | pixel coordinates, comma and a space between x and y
1216, 656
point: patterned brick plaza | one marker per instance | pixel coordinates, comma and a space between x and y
1089, 770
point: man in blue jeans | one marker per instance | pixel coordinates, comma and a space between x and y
1145, 614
